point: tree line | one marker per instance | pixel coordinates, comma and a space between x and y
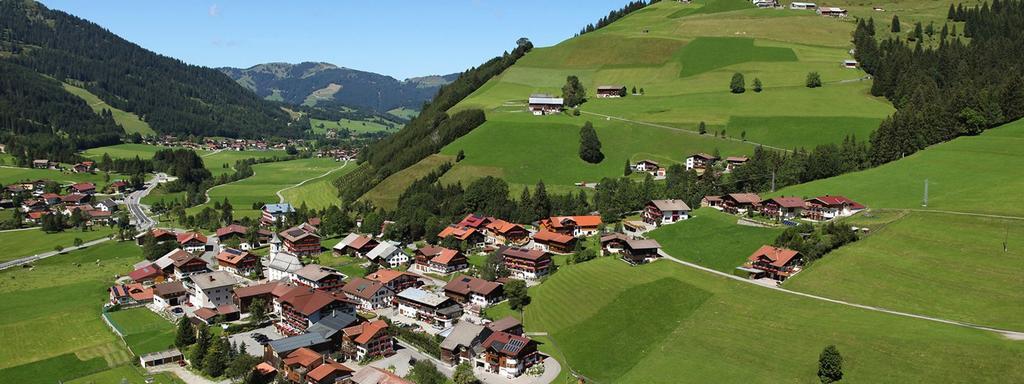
614, 15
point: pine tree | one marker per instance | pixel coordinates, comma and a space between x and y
216, 359
186, 334
830, 365
895, 24
757, 85
918, 31
702, 128
628, 170
813, 80
590, 145
541, 202
737, 85
634, 90
952, 12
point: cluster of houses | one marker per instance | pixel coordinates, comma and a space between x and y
798, 5
699, 162
87, 166
223, 143
540, 104
36, 203
821, 208
338, 154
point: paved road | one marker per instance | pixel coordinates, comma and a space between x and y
609, 117
134, 204
1013, 335
29, 259
299, 184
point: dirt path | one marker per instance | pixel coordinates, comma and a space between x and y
303, 182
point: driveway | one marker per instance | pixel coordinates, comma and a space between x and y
253, 347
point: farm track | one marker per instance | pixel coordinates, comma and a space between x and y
303, 182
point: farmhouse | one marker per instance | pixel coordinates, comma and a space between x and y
475, 221
274, 212
611, 91
613, 243
301, 240
576, 226
700, 161
169, 294
831, 11
783, 207
741, 202
440, 260
774, 262
830, 207
431, 308
355, 245
639, 251
193, 242
554, 242
211, 289
238, 262
40, 164
387, 254
160, 235
850, 64
369, 339
542, 104
802, 5
499, 231
396, 280
733, 162
475, 293
83, 188
369, 294
526, 264
661, 212
147, 274
319, 277
507, 354
646, 166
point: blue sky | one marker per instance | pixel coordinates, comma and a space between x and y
397, 38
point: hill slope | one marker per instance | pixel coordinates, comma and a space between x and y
324, 84
169, 95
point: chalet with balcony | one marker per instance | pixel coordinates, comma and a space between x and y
239, 262
159, 234
181, 264
739, 203
543, 104
388, 255
319, 277
211, 289
169, 294
733, 162
83, 188
470, 236
508, 355
365, 340
192, 242
244, 296
355, 245
440, 260
474, 293
301, 240
576, 226
639, 251
463, 342
773, 262
783, 208
437, 310
302, 307
130, 294
235, 233
604, 91
368, 294
830, 207
662, 212
554, 242
396, 280
700, 161
501, 232
526, 264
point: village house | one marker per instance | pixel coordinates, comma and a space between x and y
543, 104
244, 296
554, 242
739, 203
431, 308
507, 324
170, 294
501, 232
319, 277
475, 221
355, 245
159, 234
440, 260
271, 213
508, 355
470, 236
474, 293
238, 262
773, 262
783, 208
661, 212
713, 202
611, 91
51, 198
192, 242
331, 326
700, 161
84, 167
639, 251
119, 186
802, 5
301, 307
388, 255
276, 351
330, 372
576, 226
648, 166
366, 340
733, 162
211, 289
831, 11
526, 264
75, 198
830, 207
297, 364
147, 274
282, 264
462, 343
765, 3
224, 312
613, 243
40, 163
130, 294
369, 294
396, 280
106, 205
181, 264
83, 188
235, 233
301, 240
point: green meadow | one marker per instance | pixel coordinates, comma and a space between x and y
370, 125
404, 112
666, 323
713, 239
50, 325
9, 174
127, 120
263, 186
218, 162
127, 374
144, 331
34, 241
320, 192
386, 193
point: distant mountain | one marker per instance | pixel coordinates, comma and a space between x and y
325, 84
172, 96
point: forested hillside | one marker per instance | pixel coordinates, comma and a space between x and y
325, 85
171, 96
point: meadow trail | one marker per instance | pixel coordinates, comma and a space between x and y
679, 130
1012, 335
301, 183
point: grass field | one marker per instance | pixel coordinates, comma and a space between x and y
217, 162
374, 124
127, 120
705, 54
969, 174
404, 112
665, 323
34, 241
126, 374
263, 186
713, 239
913, 264
387, 192
144, 331
50, 324
9, 174
320, 192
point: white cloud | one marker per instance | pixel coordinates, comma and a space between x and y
214, 10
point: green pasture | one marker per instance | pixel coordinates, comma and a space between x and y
713, 239
705, 54
127, 374
144, 331
127, 120
385, 194
10, 174
34, 241
217, 162
263, 186
320, 192
374, 124
403, 112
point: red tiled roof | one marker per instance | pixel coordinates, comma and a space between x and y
552, 237
579, 221
474, 221
787, 202
506, 343
308, 301
256, 290
265, 369
464, 285
189, 236
745, 198
205, 313
145, 273
532, 254
233, 228
327, 369
446, 256
83, 186
461, 233
503, 227
363, 333
386, 276
837, 200
302, 357
233, 256
778, 257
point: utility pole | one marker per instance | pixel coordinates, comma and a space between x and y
925, 204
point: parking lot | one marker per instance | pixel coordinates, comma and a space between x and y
252, 346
